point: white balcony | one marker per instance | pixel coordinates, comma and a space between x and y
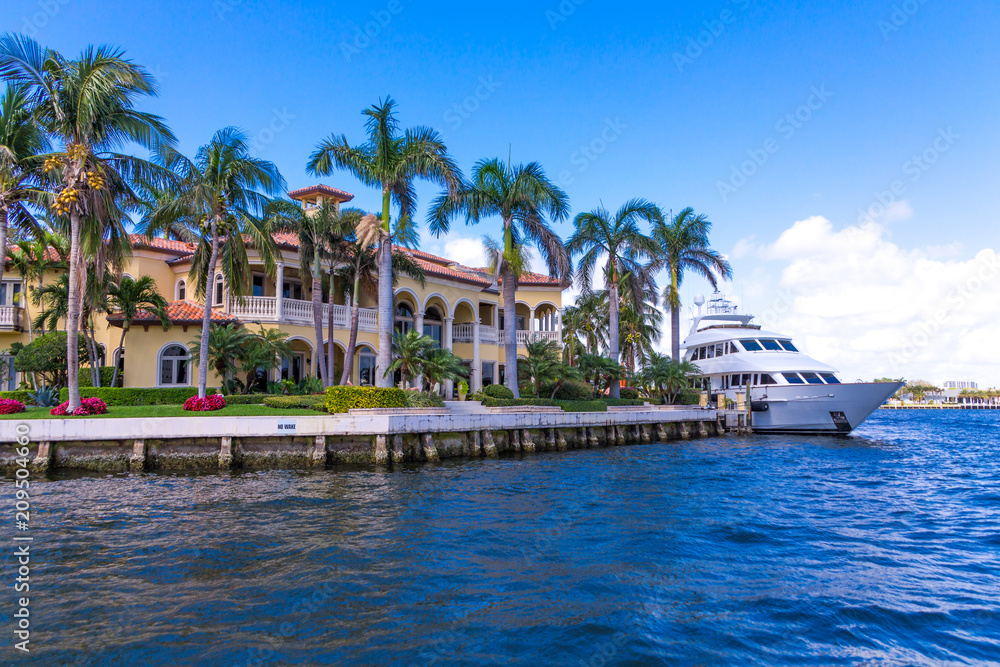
524, 336
295, 311
10, 318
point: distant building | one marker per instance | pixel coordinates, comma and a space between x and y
960, 384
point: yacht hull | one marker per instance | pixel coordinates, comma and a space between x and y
836, 408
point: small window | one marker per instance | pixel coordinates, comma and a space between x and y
710, 352
217, 298
720, 350
787, 344
771, 345
756, 377
830, 378
181, 290
793, 378
766, 379
751, 345
812, 378
174, 366
746, 379
258, 285
734, 348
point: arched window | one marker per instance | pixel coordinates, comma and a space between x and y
174, 362
217, 297
366, 367
181, 291
432, 324
403, 317
119, 360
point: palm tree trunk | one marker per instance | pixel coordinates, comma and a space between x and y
3, 240
353, 340
385, 304
121, 346
329, 329
95, 374
41, 330
614, 388
206, 318
317, 299
73, 314
675, 319
510, 333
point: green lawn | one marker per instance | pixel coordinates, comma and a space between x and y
142, 411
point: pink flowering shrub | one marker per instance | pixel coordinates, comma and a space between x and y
9, 406
88, 406
207, 404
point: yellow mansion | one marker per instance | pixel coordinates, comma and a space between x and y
460, 307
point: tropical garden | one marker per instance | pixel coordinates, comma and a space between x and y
83, 169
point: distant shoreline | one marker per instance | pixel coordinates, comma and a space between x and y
940, 407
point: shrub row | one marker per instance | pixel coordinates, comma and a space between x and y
622, 401
138, 396
306, 402
22, 395
498, 391
344, 398
567, 406
106, 373
246, 399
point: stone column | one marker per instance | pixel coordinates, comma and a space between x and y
449, 385
476, 380
531, 320
279, 292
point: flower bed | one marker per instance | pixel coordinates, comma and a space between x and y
207, 404
9, 406
88, 406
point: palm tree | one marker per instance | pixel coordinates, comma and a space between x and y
409, 351
600, 370
441, 364
593, 314
226, 343
21, 141
131, 298
683, 246
88, 106
639, 326
521, 196
572, 329
391, 160
265, 351
220, 199
541, 365
618, 241
315, 229
359, 274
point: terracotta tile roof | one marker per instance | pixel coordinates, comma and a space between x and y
167, 245
179, 312
340, 195
527, 278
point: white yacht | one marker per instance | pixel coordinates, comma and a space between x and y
789, 391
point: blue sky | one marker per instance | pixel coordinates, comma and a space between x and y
670, 98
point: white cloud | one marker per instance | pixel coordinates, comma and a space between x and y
465, 251
870, 307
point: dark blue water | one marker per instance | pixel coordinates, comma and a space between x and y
881, 548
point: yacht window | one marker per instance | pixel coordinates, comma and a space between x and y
793, 378
710, 350
751, 345
746, 379
735, 381
771, 345
733, 347
830, 378
755, 378
766, 379
812, 378
787, 344
701, 353
720, 350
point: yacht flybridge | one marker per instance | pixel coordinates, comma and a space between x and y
789, 391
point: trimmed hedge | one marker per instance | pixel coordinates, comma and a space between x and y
22, 395
567, 406
498, 391
138, 396
344, 398
246, 399
629, 392
306, 402
572, 390
623, 401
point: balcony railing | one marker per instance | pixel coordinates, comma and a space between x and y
296, 311
524, 336
10, 318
